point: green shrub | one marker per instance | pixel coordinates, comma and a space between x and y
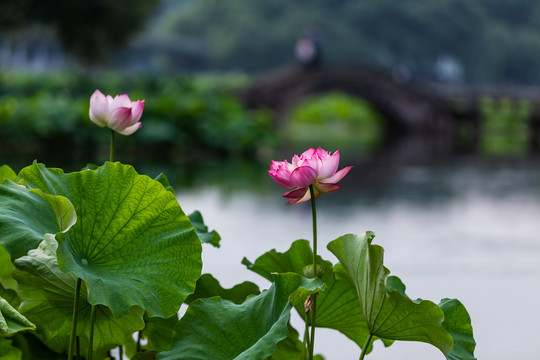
335, 120
181, 112
505, 126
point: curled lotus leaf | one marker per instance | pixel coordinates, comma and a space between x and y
389, 312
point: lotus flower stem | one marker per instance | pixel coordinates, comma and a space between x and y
366, 345
74, 323
111, 155
314, 299
306, 335
78, 349
91, 338
139, 340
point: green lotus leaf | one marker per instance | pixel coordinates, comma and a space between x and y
458, 324
10, 296
208, 237
337, 308
47, 296
162, 179
25, 217
8, 351
132, 243
389, 313
6, 267
159, 332
63, 210
219, 329
6, 173
208, 286
32, 348
146, 355
291, 348
11, 321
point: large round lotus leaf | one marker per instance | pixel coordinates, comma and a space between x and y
337, 307
25, 217
132, 242
47, 295
196, 218
217, 329
389, 313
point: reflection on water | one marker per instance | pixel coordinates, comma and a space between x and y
465, 231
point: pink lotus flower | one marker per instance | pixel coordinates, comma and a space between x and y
119, 114
313, 167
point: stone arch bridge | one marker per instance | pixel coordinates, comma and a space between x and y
406, 106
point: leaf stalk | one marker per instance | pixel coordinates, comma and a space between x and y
313, 309
74, 321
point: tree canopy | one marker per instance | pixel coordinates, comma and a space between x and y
494, 40
90, 29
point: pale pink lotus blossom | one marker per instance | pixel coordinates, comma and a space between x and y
119, 113
313, 167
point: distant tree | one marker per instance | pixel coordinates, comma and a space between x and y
494, 40
90, 29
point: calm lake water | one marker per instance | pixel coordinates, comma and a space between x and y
464, 229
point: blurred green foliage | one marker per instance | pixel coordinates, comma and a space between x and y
504, 126
183, 115
335, 120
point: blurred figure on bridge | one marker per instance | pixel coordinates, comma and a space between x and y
308, 49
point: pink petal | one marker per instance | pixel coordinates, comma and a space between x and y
99, 109
296, 161
281, 177
136, 110
326, 188
308, 153
120, 101
313, 162
120, 118
303, 176
329, 166
298, 195
130, 129
337, 176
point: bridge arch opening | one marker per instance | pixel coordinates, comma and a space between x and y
334, 119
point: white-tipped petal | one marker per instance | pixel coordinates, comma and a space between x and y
136, 110
130, 129
99, 109
120, 101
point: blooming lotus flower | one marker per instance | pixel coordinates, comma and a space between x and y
119, 114
313, 167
